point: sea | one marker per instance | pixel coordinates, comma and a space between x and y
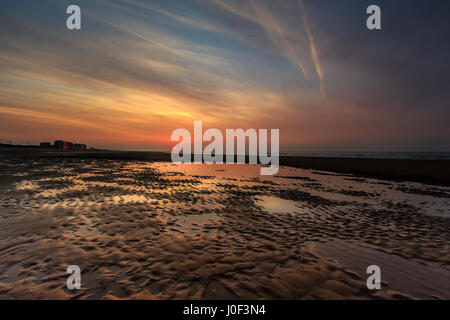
371, 154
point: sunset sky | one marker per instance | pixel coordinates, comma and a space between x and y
138, 69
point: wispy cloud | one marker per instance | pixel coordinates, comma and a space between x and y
276, 34
314, 56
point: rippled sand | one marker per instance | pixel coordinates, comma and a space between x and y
164, 231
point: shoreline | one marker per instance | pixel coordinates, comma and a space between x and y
434, 172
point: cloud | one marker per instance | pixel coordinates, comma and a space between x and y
139, 69
312, 45
276, 34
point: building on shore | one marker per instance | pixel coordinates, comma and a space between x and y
79, 147
63, 145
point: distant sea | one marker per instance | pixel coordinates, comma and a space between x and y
374, 155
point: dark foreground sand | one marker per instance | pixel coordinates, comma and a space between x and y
147, 230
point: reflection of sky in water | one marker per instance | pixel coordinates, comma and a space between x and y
421, 279
123, 185
276, 205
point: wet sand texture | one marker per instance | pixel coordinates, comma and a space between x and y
425, 171
141, 230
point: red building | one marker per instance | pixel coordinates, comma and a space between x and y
63, 145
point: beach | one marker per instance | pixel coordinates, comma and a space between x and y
140, 227
435, 171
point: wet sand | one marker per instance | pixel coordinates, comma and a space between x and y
435, 172
155, 230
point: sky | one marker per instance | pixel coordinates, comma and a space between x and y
139, 69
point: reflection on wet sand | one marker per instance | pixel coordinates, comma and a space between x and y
160, 230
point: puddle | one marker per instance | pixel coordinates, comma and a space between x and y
418, 279
11, 275
275, 205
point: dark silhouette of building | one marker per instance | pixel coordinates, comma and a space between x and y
45, 145
79, 147
63, 145
59, 144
